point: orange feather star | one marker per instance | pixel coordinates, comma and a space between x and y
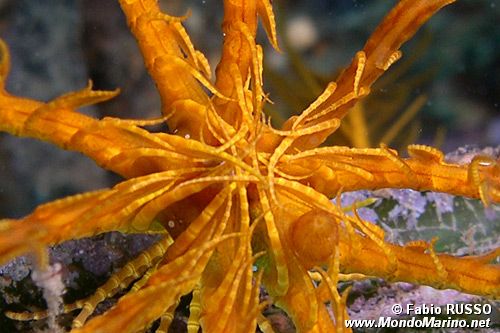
250, 195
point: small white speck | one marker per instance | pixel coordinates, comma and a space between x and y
171, 224
302, 32
187, 136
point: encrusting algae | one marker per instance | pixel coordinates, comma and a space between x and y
255, 201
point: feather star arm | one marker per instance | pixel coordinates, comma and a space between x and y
378, 54
351, 169
115, 144
168, 53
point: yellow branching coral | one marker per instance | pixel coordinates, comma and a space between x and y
250, 196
